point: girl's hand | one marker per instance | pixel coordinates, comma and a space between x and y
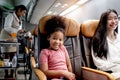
69, 75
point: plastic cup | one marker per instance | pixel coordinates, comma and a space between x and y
13, 35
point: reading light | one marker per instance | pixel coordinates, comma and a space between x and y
76, 5
69, 9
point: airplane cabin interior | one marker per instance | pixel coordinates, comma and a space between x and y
81, 18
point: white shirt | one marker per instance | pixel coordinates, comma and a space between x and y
12, 23
113, 58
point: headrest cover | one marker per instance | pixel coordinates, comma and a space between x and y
89, 27
72, 27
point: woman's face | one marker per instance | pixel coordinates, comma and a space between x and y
21, 13
112, 21
56, 39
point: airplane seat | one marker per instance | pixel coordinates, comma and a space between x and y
34, 32
88, 29
71, 41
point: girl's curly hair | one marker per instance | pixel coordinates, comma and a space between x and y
53, 23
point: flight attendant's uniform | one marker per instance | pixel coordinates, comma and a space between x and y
12, 24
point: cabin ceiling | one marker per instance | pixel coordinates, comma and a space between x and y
44, 7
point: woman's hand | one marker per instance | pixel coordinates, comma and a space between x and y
21, 31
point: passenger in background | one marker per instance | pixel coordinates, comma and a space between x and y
106, 44
12, 26
54, 60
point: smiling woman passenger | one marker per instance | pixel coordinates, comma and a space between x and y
106, 44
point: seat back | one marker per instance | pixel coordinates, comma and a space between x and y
71, 41
88, 29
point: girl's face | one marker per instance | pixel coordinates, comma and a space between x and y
112, 21
56, 39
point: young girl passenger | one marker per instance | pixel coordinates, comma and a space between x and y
54, 60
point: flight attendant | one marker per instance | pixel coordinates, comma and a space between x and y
13, 22
12, 25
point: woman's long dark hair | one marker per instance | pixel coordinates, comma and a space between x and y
100, 46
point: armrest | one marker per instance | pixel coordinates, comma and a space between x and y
33, 63
92, 74
40, 74
26, 50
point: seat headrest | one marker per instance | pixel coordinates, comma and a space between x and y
34, 31
72, 27
89, 27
